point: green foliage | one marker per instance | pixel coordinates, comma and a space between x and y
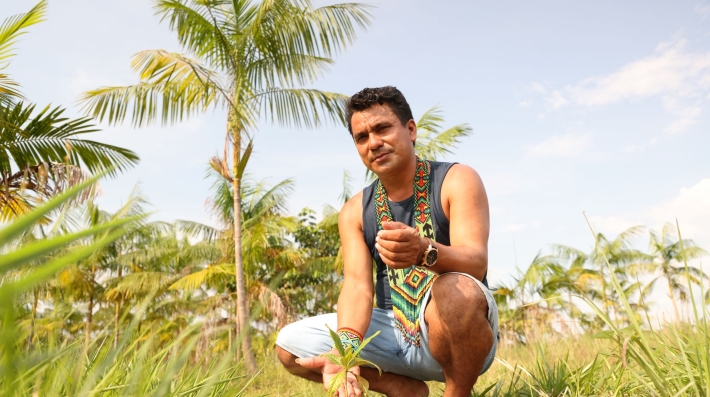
42, 153
348, 359
432, 142
10, 31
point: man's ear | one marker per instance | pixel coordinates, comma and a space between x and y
412, 127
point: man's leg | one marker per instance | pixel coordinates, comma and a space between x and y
389, 384
460, 336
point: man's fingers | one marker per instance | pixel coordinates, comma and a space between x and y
392, 246
401, 235
355, 387
393, 225
312, 362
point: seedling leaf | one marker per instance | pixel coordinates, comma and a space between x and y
336, 340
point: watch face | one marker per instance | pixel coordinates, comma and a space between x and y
431, 257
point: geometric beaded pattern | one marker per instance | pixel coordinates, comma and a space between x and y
408, 286
350, 337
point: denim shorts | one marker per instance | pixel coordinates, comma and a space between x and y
309, 338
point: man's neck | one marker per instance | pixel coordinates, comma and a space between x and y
399, 184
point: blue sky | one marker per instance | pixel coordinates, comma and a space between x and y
599, 107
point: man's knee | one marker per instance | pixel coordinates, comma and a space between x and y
286, 337
458, 297
287, 359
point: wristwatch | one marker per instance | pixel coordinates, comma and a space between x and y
431, 254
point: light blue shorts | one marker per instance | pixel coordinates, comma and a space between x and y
309, 338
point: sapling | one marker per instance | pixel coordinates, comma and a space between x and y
348, 359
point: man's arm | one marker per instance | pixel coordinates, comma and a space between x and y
355, 301
465, 204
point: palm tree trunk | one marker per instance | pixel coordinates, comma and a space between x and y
242, 305
116, 315
35, 298
675, 305
89, 313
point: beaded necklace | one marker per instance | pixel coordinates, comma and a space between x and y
408, 286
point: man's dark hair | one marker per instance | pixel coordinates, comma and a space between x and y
369, 97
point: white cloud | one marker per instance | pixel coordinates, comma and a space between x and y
569, 145
538, 87
672, 69
703, 10
691, 206
687, 114
525, 104
692, 209
640, 148
556, 100
680, 75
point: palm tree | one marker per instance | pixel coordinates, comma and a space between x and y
268, 252
668, 253
249, 58
41, 153
624, 261
432, 142
82, 280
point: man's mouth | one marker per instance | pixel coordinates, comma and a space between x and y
380, 156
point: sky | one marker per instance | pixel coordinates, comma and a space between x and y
576, 107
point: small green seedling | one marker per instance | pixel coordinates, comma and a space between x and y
348, 359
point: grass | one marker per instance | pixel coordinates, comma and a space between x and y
630, 361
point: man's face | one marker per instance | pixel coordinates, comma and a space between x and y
380, 138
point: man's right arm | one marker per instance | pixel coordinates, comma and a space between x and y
355, 301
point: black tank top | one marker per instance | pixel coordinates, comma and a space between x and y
403, 211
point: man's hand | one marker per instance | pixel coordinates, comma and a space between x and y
399, 245
329, 370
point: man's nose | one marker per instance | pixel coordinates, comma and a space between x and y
375, 142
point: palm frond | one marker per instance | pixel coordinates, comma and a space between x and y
26, 188
10, 31
324, 31
207, 276
197, 230
14, 27
173, 87
299, 107
200, 29
431, 141
140, 284
49, 137
9, 91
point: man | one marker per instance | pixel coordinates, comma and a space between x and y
426, 226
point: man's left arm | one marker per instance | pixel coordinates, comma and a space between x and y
465, 204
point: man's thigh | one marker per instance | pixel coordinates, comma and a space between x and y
421, 358
309, 337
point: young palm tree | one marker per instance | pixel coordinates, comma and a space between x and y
82, 279
41, 152
268, 253
434, 142
249, 58
624, 261
667, 263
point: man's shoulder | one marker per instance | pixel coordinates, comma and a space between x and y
456, 171
461, 178
352, 209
